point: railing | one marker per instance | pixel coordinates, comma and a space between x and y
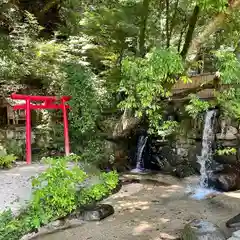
197, 81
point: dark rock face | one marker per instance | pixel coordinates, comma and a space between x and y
226, 177
234, 222
202, 230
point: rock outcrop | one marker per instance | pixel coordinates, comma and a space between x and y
202, 230
226, 177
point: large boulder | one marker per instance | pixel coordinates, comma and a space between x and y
226, 178
202, 230
234, 222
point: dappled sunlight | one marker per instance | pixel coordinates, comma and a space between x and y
128, 191
132, 206
233, 194
164, 220
165, 236
142, 227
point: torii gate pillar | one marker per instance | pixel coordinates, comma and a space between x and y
49, 102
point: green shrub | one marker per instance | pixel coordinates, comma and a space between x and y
6, 160
57, 192
55, 189
17, 148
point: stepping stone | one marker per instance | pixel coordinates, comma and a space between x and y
97, 213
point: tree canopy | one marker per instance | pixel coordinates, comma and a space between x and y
112, 56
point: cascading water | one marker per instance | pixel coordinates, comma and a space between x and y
139, 156
207, 140
206, 156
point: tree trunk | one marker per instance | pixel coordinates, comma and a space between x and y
211, 28
181, 37
143, 27
191, 27
173, 23
167, 24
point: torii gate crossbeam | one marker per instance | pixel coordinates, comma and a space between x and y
48, 102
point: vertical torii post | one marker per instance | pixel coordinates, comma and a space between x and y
48, 103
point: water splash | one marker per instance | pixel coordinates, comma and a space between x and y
140, 148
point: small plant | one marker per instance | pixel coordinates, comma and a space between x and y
16, 148
6, 160
226, 151
196, 106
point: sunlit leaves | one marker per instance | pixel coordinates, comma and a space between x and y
229, 67
214, 5
196, 106
146, 80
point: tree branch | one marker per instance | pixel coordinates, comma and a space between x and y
144, 17
212, 27
167, 24
191, 27
173, 19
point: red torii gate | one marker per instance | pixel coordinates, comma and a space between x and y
48, 102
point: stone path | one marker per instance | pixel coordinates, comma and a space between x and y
154, 210
15, 185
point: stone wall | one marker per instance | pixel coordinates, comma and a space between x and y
40, 138
180, 154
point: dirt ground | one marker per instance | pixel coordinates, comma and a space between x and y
156, 208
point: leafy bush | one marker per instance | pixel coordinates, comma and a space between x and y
57, 192
16, 148
6, 160
196, 106
55, 189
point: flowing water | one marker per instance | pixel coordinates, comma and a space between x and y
207, 140
139, 157
206, 156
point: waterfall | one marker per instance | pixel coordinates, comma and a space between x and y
207, 140
200, 191
139, 156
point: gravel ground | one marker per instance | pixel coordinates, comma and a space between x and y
15, 185
154, 211
148, 210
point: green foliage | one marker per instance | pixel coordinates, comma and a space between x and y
213, 5
86, 99
6, 160
226, 151
167, 128
146, 80
229, 67
107, 183
55, 189
196, 107
16, 148
57, 192
229, 100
